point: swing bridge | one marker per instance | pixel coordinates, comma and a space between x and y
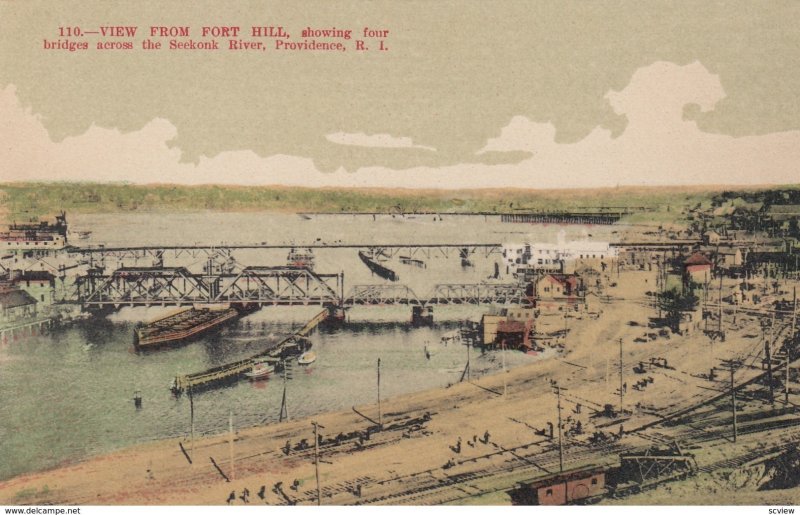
266, 286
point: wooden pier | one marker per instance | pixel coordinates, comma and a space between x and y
23, 329
231, 372
600, 218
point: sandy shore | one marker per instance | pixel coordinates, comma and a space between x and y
414, 459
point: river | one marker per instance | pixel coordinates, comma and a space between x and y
68, 394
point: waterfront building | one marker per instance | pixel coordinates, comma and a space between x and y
39, 284
15, 304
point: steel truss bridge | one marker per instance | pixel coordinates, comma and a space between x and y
266, 286
157, 253
481, 293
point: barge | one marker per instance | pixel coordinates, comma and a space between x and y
182, 326
407, 260
377, 268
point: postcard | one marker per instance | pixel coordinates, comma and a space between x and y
398, 253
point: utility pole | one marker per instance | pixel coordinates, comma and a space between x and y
789, 342
505, 385
560, 443
284, 414
380, 415
620, 379
705, 304
767, 352
191, 419
230, 427
468, 363
316, 460
733, 406
719, 323
661, 288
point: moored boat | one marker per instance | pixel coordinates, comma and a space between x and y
182, 326
302, 258
260, 370
307, 358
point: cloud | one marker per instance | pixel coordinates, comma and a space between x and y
660, 145
359, 139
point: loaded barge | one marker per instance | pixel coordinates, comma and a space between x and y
182, 326
377, 268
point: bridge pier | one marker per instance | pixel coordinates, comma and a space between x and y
336, 314
421, 316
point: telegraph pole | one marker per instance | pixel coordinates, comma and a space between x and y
560, 443
733, 406
705, 305
284, 414
719, 323
465, 373
233, 465
788, 346
767, 352
380, 416
620, 378
316, 460
505, 385
191, 417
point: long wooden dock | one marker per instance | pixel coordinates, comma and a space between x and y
599, 218
231, 372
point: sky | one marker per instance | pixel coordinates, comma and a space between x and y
469, 94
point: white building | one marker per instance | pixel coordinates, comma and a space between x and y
557, 257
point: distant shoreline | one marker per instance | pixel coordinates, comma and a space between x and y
23, 201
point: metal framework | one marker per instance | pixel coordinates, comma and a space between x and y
483, 293
265, 285
178, 286
381, 294
157, 253
653, 464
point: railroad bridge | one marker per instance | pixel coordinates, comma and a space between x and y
266, 286
156, 254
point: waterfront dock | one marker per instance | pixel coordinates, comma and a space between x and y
231, 372
24, 328
598, 218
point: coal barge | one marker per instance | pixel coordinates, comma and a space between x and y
182, 326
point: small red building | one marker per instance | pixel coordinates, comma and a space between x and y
697, 267
568, 487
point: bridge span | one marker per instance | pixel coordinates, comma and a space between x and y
267, 286
158, 252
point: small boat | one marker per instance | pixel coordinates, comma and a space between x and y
307, 358
300, 258
260, 370
82, 235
